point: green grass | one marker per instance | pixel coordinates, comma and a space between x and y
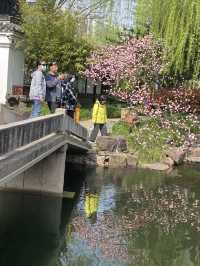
45, 109
121, 129
152, 136
85, 113
147, 141
114, 110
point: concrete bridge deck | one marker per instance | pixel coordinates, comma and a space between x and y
33, 151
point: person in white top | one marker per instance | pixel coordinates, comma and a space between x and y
38, 89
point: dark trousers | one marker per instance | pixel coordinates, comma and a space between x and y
52, 106
70, 113
95, 131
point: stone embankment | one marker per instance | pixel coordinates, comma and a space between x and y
112, 152
109, 152
193, 155
173, 157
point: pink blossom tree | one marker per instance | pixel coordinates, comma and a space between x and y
127, 66
130, 72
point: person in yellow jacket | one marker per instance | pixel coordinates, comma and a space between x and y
91, 204
99, 118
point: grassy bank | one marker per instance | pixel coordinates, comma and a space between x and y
153, 136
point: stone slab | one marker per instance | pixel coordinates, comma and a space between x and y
156, 166
192, 159
195, 152
177, 155
111, 144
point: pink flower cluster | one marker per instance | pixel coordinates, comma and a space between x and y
179, 100
130, 72
135, 63
140, 95
175, 111
176, 100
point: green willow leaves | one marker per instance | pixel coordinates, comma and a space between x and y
177, 23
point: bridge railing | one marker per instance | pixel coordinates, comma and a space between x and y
18, 134
75, 129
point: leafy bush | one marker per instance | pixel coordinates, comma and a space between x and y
153, 136
148, 141
85, 113
121, 129
178, 100
45, 109
53, 34
114, 111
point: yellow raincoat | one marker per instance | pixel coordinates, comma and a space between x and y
99, 114
91, 204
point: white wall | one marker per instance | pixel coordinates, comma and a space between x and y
16, 68
11, 66
4, 56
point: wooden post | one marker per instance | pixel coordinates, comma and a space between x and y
77, 115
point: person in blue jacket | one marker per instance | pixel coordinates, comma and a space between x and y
53, 87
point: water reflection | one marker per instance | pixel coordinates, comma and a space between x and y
141, 218
30, 229
34, 228
118, 217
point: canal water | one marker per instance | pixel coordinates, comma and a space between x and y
116, 217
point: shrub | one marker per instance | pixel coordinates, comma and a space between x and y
121, 129
178, 100
114, 111
45, 109
53, 34
152, 136
85, 113
148, 141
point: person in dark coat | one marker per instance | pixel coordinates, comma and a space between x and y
53, 87
68, 98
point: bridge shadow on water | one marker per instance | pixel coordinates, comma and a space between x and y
33, 227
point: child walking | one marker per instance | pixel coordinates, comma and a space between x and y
99, 118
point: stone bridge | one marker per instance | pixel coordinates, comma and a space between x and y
33, 152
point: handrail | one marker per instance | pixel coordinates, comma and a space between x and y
18, 134
29, 121
75, 129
